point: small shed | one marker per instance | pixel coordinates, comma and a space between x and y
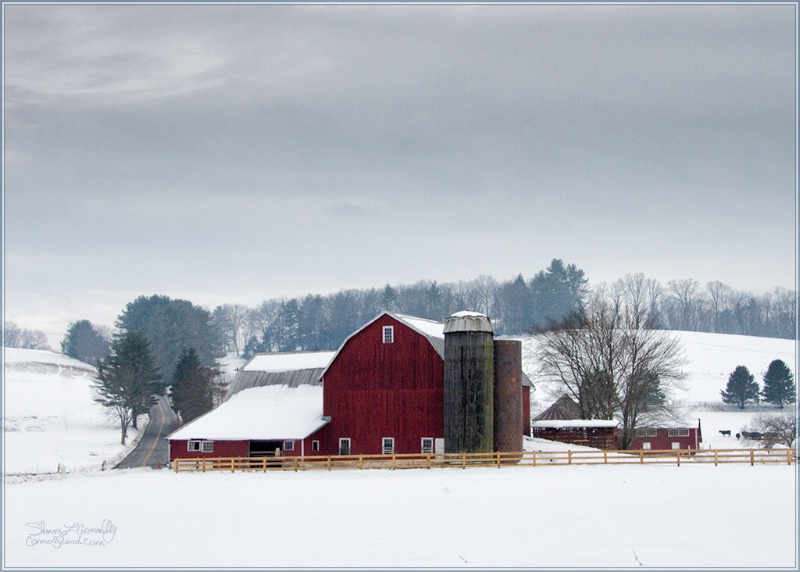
560, 422
668, 436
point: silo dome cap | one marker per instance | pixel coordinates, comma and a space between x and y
467, 321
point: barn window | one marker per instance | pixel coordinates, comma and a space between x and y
208, 446
647, 432
427, 445
288, 445
678, 432
676, 445
646, 445
315, 445
388, 445
388, 334
193, 446
344, 446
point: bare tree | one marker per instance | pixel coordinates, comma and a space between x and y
688, 296
16, 337
614, 364
775, 429
719, 294
233, 321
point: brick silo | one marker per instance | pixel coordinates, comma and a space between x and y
468, 383
508, 423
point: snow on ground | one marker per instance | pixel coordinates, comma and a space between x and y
731, 516
712, 358
49, 418
544, 517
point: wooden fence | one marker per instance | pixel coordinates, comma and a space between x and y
464, 460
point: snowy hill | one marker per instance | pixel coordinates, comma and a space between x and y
50, 419
712, 358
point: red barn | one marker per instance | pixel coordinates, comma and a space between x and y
673, 436
382, 392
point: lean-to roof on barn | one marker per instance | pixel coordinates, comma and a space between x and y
292, 369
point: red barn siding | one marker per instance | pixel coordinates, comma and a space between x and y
179, 449
374, 390
662, 440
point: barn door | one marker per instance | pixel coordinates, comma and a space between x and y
438, 445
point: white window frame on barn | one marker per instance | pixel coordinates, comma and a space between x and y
288, 445
342, 449
314, 446
207, 446
676, 445
427, 445
388, 334
646, 446
193, 445
678, 432
387, 445
647, 432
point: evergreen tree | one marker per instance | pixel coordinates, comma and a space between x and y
556, 292
128, 380
779, 385
83, 342
191, 388
172, 326
742, 387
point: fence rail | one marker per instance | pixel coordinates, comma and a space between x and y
499, 459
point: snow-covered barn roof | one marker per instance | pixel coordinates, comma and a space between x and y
273, 412
567, 423
290, 369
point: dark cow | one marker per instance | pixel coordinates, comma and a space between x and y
726, 432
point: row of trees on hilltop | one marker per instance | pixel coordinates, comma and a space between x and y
517, 306
16, 337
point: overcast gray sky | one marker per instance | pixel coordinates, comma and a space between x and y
235, 153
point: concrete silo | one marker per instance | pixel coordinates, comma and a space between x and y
468, 383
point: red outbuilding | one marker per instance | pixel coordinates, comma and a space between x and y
671, 436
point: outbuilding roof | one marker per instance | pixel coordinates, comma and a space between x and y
269, 413
289, 369
563, 408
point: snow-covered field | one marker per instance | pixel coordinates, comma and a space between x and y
545, 517
732, 516
49, 418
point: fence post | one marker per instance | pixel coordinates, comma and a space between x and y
641, 456
788, 456
679, 457
296, 463
716, 457
498, 459
605, 456
394, 462
534, 458
569, 457
463, 460
329, 462
752, 458
361, 462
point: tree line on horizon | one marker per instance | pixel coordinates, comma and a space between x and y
517, 306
